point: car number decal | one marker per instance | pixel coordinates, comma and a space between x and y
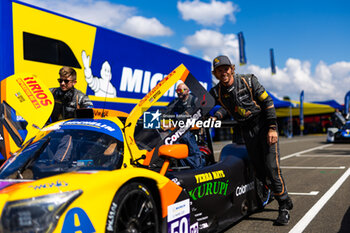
179, 217
77, 220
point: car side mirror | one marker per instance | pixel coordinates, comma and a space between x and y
176, 151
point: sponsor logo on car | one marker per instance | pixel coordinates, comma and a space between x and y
240, 190
77, 220
209, 189
56, 184
34, 92
204, 177
111, 216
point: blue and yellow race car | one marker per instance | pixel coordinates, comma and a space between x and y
110, 174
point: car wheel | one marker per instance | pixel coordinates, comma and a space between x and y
133, 210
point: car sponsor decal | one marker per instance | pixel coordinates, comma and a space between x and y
208, 189
99, 125
240, 190
56, 184
209, 185
77, 220
111, 216
194, 228
179, 217
200, 178
179, 131
201, 222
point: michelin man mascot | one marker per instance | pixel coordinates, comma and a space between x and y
101, 86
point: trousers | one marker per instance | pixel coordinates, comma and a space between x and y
265, 158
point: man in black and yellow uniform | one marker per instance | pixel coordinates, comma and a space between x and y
67, 98
245, 99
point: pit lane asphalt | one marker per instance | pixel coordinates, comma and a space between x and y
317, 177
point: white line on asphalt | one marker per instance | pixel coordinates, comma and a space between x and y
325, 156
292, 155
304, 222
312, 193
338, 148
295, 167
305, 151
286, 141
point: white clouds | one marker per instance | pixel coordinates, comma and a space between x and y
326, 83
207, 14
213, 43
341, 72
106, 14
139, 26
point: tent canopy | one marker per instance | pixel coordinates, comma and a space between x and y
279, 103
309, 109
332, 103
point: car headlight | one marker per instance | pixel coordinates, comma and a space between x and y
37, 214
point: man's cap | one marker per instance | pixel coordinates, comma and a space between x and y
221, 61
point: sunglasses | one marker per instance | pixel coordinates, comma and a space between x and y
179, 90
66, 81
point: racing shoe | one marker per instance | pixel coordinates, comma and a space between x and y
283, 217
283, 212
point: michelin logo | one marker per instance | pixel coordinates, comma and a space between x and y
140, 81
101, 86
151, 120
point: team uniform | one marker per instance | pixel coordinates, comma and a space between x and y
249, 104
67, 102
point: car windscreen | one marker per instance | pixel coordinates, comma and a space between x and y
63, 151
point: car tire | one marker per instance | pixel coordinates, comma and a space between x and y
133, 209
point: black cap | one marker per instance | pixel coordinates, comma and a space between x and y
221, 61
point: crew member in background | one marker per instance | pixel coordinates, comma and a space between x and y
337, 119
67, 98
180, 107
245, 99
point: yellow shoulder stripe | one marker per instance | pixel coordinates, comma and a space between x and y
263, 96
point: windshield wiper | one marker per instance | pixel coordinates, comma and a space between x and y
30, 161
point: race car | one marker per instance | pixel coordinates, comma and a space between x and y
339, 135
108, 174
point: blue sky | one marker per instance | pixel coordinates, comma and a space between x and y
310, 38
